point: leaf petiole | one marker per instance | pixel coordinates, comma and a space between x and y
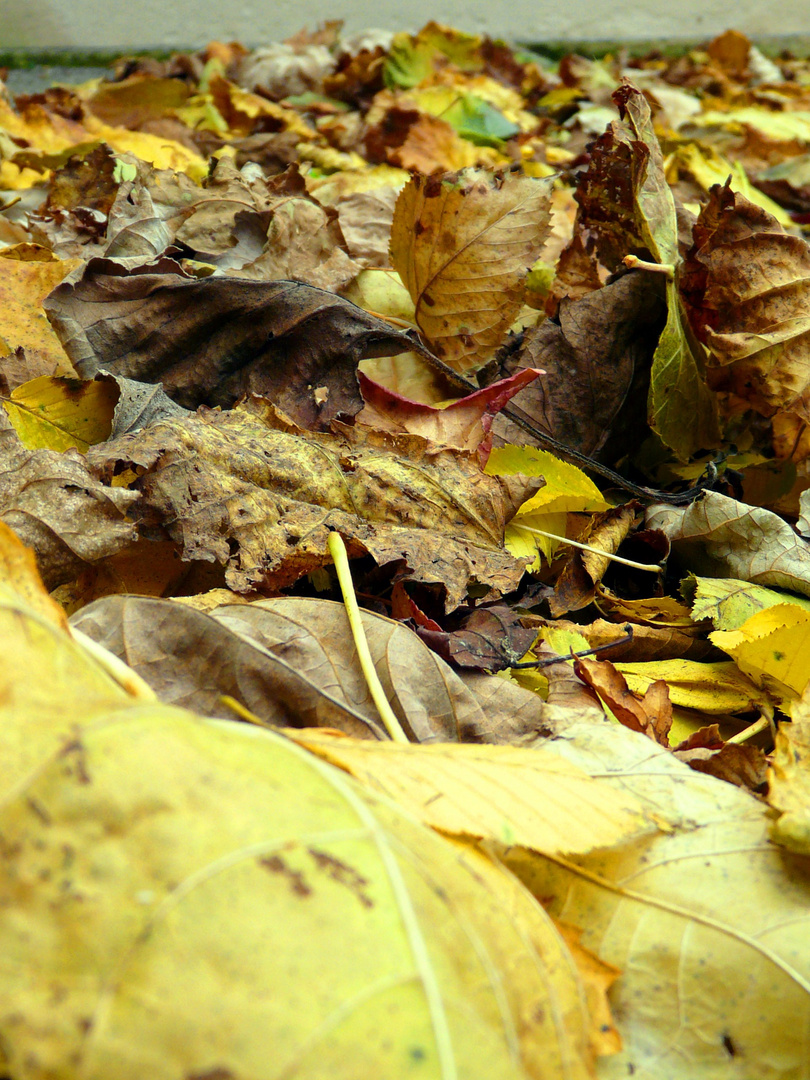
337, 549
655, 568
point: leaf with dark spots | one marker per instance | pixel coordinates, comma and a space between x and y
211, 341
252, 491
596, 358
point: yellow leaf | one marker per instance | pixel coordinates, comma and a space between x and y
710, 924
710, 688
161, 152
789, 780
772, 647
23, 287
161, 870
58, 413
566, 490
462, 246
729, 602
506, 793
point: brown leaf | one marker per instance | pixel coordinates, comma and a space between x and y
73, 220
575, 588
57, 508
293, 662
213, 340
648, 643
420, 143
462, 245
490, 638
747, 286
746, 766
253, 492
596, 357
651, 715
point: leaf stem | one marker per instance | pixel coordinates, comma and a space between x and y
655, 568
337, 549
632, 262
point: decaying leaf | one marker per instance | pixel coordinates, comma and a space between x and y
253, 492
213, 340
292, 662
462, 245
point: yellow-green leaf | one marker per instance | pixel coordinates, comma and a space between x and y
58, 413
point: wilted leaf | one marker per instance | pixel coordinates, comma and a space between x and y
489, 638
57, 508
292, 662
215, 339
509, 794
253, 492
576, 585
182, 891
719, 537
462, 245
596, 357
709, 924
747, 284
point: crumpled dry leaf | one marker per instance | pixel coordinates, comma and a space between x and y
731, 963
213, 340
251, 491
651, 714
489, 638
462, 245
576, 585
292, 662
57, 508
719, 537
747, 282
182, 891
596, 359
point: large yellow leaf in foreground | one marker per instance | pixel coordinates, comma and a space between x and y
710, 925
185, 898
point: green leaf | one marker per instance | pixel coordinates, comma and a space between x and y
681, 408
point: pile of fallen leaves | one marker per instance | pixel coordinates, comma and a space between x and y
542, 808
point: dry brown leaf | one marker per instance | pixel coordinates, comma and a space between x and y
292, 662
747, 283
651, 714
251, 491
57, 508
575, 587
462, 245
213, 340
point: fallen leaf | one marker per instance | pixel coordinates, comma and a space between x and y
713, 536
788, 781
462, 245
56, 507
490, 793
203, 901
772, 647
56, 413
745, 766
651, 714
662, 911
489, 638
292, 662
745, 282
251, 491
23, 287
216, 339
575, 587
713, 688
596, 359
728, 603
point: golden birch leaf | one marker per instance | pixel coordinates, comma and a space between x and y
181, 897
506, 793
57, 413
789, 780
715, 688
710, 924
772, 648
463, 244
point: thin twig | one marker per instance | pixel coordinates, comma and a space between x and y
654, 567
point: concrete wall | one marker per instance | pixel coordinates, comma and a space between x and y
177, 23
